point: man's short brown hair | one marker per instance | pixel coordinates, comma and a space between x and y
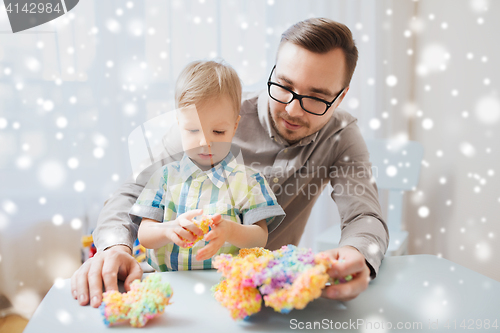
321, 35
201, 81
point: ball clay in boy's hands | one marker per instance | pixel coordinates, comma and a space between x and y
183, 229
205, 224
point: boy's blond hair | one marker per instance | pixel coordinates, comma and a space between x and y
204, 80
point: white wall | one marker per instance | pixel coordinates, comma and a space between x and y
470, 223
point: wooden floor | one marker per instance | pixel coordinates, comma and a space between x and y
12, 324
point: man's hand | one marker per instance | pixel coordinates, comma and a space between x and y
115, 263
217, 237
354, 264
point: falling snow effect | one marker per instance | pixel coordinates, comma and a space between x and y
64, 317
434, 58
199, 288
467, 149
423, 212
79, 186
64, 123
374, 124
76, 224
51, 174
57, 219
73, 163
487, 110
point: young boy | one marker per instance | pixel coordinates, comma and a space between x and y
207, 180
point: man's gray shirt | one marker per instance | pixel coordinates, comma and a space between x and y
297, 174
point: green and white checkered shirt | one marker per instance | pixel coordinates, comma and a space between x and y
239, 193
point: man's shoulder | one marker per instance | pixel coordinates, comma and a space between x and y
343, 118
341, 122
249, 101
341, 129
347, 134
250, 95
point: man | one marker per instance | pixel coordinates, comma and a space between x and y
294, 135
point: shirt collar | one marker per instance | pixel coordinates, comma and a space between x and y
187, 168
217, 174
266, 122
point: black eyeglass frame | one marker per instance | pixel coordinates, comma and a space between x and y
299, 97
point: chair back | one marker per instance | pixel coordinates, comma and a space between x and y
396, 167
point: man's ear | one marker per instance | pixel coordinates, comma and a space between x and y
341, 98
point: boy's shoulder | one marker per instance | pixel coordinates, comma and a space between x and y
247, 172
173, 166
169, 168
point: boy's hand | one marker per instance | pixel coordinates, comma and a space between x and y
221, 229
183, 230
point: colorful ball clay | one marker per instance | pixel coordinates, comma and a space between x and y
205, 224
288, 278
144, 301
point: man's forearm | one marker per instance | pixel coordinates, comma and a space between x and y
369, 236
114, 225
356, 196
119, 247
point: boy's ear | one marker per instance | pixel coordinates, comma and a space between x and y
237, 122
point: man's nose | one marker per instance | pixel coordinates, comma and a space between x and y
294, 109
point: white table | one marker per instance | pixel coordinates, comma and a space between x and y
408, 290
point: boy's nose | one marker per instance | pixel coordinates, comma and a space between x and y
203, 141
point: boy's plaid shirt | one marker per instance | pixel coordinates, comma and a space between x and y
237, 192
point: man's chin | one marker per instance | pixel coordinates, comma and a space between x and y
291, 138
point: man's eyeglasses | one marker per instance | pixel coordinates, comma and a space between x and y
310, 104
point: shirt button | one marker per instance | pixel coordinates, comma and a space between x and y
275, 180
196, 184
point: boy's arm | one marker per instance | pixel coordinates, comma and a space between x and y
151, 236
239, 235
154, 234
246, 236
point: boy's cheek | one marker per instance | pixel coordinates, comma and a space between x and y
188, 144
